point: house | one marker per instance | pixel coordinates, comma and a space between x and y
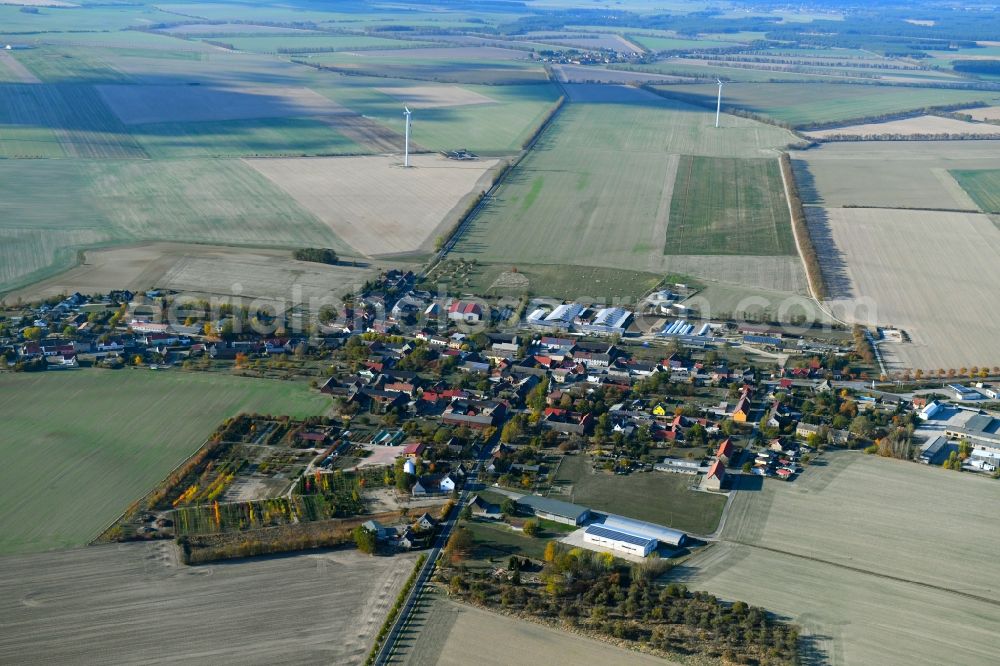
380, 531
725, 451
414, 450
963, 393
434, 484
424, 522
561, 420
741, 413
483, 509
716, 476
473, 413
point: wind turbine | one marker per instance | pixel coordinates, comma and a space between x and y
406, 148
718, 104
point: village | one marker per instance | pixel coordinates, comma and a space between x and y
443, 400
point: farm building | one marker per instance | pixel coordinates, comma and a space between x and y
664, 535
716, 476
929, 411
964, 393
556, 510
608, 321
620, 541
934, 451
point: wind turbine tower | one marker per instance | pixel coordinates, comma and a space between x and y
718, 103
406, 147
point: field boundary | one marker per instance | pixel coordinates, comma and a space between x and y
800, 230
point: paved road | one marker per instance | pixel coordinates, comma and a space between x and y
385, 653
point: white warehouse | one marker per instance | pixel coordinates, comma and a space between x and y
620, 541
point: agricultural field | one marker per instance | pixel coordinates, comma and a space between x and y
556, 281
447, 632
494, 129
844, 552
982, 186
221, 202
984, 113
723, 206
347, 194
304, 42
574, 202
138, 603
466, 65
115, 434
589, 74
655, 44
891, 174
926, 272
589, 41
806, 105
923, 126
656, 497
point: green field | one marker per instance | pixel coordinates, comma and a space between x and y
656, 497
729, 206
805, 105
500, 128
597, 189
983, 186
445, 69
259, 137
108, 201
79, 446
304, 43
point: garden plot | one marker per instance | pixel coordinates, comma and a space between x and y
141, 104
436, 97
375, 205
931, 273
862, 553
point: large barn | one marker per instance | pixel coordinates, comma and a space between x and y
620, 541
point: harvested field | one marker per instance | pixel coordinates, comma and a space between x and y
805, 105
451, 53
891, 174
71, 470
118, 201
349, 196
304, 42
729, 206
265, 275
776, 273
136, 105
984, 113
135, 604
439, 64
16, 70
435, 97
590, 42
845, 552
919, 126
448, 632
929, 273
